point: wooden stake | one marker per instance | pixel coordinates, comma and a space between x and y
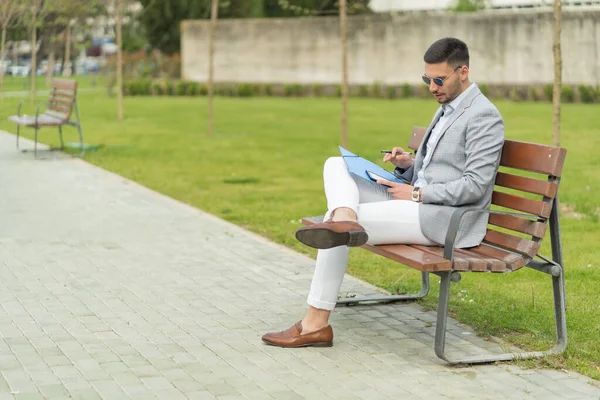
344, 39
214, 14
556, 92
119, 67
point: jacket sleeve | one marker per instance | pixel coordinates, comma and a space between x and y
484, 139
407, 174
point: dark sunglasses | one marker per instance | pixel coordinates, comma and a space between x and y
439, 81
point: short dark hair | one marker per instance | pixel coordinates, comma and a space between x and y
450, 50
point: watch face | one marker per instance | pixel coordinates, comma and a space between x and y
415, 196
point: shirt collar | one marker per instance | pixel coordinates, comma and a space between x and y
453, 105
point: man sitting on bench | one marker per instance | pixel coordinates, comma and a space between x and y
455, 166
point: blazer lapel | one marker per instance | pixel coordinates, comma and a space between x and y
466, 103
419, 157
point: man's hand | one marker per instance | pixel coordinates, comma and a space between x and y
399, 191
398, 158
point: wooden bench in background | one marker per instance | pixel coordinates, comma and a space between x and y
59, 109
525, 218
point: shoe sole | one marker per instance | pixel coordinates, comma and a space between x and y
317, 344
326, 239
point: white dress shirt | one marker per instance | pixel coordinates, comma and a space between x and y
436, 131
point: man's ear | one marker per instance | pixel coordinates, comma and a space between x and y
464, 73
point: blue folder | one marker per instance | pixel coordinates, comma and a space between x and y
359, 166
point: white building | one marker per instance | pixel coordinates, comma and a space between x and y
440, 5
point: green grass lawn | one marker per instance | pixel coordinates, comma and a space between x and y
262, 170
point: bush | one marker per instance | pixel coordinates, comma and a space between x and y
245, 90
549, 92
157, 89
317, 89
292, 90
192, 89
484, 89
514, 94
181, 88
567, 94
363, 91
391, 92
533, 94
376, 90
268, 89
406, 91
587, 94
142, 87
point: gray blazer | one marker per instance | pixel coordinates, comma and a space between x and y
462, 170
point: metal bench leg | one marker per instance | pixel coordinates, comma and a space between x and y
389, 298
35, 142
440, 331
62, 144
79, 128
18, 134
18, 125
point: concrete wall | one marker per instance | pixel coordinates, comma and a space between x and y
506, 48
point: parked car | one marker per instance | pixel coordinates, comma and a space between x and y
5, 66
19, 70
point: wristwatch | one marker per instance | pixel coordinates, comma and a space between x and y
415, 196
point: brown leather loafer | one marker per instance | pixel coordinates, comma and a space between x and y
330, 234
292, 337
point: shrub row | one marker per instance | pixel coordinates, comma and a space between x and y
148, 87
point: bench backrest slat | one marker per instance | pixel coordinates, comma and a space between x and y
513, 202
64, 84
416, 137
62, 97
511, 242
525, 184
527, 226
532, 157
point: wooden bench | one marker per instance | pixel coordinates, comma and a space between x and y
523, 222
58, 112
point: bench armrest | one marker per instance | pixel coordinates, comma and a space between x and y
19, 108
455, 220
37, 112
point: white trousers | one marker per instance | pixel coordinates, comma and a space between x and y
386, 222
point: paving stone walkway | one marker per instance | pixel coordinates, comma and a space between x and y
109, 290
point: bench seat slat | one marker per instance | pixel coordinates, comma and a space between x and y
514, 243
43, 120
491, 264
458, 264
529, 185
535, 207
512, 261
408, 255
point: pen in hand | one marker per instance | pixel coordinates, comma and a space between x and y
389, 151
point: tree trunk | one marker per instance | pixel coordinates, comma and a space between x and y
51, 63
344, 40
214, 14
66, 71
2, 48
33, 59
119, 67
557, 74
